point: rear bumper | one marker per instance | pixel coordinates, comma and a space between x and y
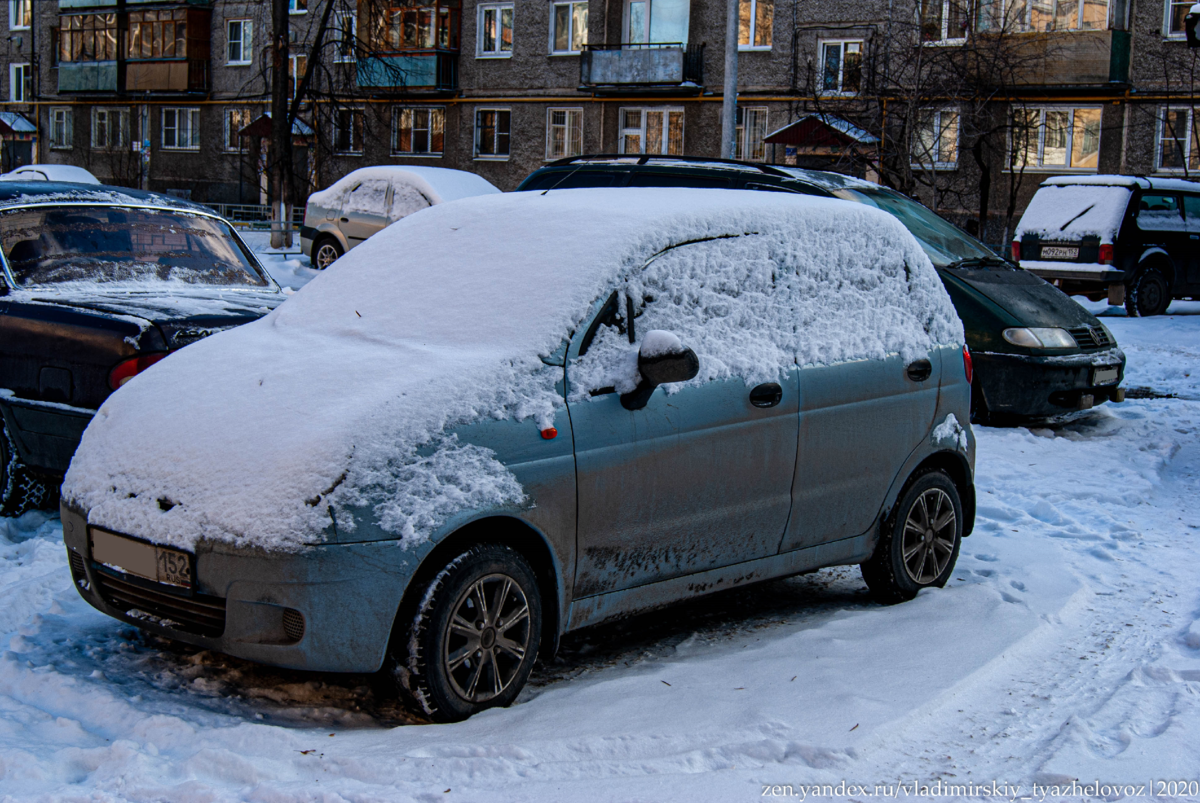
1037, 387
44, 434
307, 236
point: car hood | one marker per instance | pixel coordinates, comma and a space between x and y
1029, 299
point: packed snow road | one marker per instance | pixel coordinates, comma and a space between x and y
1066, 647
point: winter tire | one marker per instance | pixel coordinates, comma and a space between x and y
326, 251
1148, 294
19, 490
919, 542
475, 635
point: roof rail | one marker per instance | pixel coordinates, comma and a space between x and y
653, 157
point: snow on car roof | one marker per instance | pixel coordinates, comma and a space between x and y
337, 404
51, 172
1071, 211
438, 184
1176, 184
36, 191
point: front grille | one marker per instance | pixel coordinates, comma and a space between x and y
293, 624
202, 615
1090, 337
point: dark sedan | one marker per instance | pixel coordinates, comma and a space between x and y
100, 283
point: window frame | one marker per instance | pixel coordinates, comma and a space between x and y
936, 116
69, 36
123, 118
229, 132
742, 150
570, 111
26, 7
295, 73
751, 47
397, 114
192, 114
1042, 110
357, 130
24, 83
68, 140
497, 156
841, 43
340, 55
571, 6
245, 48
945, 40
666, 111
1188, 140
481, 51
296, 7
1168, 6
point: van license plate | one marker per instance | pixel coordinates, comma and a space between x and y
147, 561
1105, 376
1059, 252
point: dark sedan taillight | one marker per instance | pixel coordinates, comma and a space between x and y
1016, 250
1106, 253
127, 370
968, 366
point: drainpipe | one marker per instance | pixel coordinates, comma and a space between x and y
729, 102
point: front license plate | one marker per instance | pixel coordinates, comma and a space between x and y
147, 561
1105, 376
1059, 252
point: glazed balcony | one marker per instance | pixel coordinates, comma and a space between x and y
671, 65
417, 71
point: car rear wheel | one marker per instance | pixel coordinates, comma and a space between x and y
19, 490
475, 635
1148, 294
920, 540
326, 251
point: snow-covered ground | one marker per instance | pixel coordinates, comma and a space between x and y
287, 266
1067, 646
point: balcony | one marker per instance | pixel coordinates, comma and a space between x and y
647, 68
167, 75
87, 76
433, 71
1069, 58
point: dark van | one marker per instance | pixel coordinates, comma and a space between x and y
1133, 240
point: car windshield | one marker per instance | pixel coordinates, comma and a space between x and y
942, 241
61, 245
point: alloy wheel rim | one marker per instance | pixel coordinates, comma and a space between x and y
326, 256
486, 638
928, 540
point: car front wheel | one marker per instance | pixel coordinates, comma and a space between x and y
1148, 294
326, 252
920, 540
475, 635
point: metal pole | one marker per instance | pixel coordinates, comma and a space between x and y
729, 102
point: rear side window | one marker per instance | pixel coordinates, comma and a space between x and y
369, 198
1160, 212
644, 179
568, 180
1191, 205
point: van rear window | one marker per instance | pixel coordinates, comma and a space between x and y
1074, 211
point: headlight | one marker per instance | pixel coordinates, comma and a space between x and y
1040, 338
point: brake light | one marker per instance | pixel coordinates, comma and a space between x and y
127, 370
1016, 250
1106, 253
968, 366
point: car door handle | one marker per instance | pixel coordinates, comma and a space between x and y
920, 370
766, 395
345, 220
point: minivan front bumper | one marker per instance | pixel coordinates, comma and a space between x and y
1037, 386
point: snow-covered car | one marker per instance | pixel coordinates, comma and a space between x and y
515, 416
366, 200
1131, 239
50, 172
97, 284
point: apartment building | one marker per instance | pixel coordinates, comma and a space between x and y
965, 103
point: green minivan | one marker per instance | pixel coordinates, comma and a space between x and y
1036, 353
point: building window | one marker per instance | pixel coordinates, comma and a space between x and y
181, 129
944, 21
87, 37
420, 27
841, 67
564, 133
20, 83
1176, 11
60, 128
656, 22
751, 131
236, 119
418, 131
297, 6
496, 30
935, 139
110, 128
568, 27
1056, 138
651, 131
240, 40
492, 133
348, 131
20, 12
297, 65
157, 34
1042, 15
345, 32
755, 19
1177, 140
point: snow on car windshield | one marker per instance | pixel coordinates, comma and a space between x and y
118, 246
942, 241
1073, 211
340, 404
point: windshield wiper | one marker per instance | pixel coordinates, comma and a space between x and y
981, 262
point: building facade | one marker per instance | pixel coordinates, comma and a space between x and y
967, 104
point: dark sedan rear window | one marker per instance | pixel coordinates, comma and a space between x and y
116, 245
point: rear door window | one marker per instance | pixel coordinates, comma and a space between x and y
1191, 208
646, 179
1160, 212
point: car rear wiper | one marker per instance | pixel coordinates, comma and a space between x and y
981, 262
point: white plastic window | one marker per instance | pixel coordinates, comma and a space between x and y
657, 131
181, 129
496, 30
568, 27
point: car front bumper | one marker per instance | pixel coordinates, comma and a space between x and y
1038, 387
44, 435
328, 607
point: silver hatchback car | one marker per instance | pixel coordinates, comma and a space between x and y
514, 416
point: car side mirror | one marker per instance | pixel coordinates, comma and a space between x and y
662, 359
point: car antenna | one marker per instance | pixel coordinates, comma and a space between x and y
564, 178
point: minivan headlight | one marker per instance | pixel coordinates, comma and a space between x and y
1051, 338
